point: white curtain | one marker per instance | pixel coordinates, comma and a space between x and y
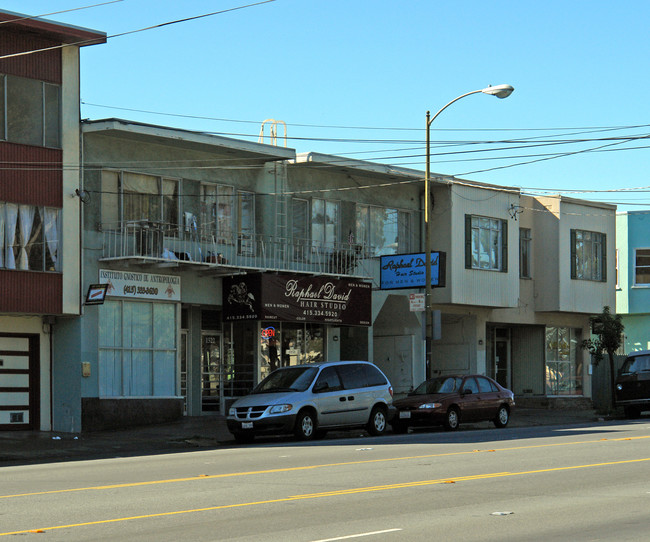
51, 227
27, 213
10, 231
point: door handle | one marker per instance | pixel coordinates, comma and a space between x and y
351, 398
342, 399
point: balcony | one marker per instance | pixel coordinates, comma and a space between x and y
146, 242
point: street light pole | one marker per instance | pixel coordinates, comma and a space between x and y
500, 91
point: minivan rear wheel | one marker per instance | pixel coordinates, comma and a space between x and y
377, 422
305, 425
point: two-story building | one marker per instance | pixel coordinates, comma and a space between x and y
633, 278
523, 275
39, 208
222, 259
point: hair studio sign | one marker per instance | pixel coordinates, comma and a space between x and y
287, 298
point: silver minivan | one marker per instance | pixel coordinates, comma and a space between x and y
308, 400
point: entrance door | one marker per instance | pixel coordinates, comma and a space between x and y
211, 372
502, 360
19, 382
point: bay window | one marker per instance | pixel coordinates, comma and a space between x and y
588, 255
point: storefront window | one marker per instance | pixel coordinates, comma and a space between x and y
285, 344
137, 349
563, 368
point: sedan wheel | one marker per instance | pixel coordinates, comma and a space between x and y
305, 426
503, 416
452, 421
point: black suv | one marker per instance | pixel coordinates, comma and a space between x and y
633, 384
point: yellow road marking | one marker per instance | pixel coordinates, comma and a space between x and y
306, 467
337, 493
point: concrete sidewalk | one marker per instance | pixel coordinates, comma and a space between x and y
191, 433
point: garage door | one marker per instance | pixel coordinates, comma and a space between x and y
19, 378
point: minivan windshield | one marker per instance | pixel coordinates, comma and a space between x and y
636, 364
287, 379
444, 384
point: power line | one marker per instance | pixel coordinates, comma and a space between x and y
160, 25
58, 12
587, 129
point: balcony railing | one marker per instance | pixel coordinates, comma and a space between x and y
158, 243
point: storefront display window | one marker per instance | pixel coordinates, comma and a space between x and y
285, 344
137, 349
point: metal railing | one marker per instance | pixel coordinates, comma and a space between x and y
158, 242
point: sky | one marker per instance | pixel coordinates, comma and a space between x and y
355, 78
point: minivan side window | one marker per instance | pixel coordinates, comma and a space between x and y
374, 376
353, 376
330, 377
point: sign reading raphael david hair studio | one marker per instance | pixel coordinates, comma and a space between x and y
288, 298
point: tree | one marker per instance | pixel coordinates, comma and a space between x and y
607, 330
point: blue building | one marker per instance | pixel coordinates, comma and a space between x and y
633, 277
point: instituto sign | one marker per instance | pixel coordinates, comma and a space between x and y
409, 271
291, 298
141, 285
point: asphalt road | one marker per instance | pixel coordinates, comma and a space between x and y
540, 483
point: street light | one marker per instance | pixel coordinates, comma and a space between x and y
500, 91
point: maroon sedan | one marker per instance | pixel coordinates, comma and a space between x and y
450, 400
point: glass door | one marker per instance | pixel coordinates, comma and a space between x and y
211, 372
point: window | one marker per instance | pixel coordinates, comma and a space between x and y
324, 224
525, 242
470, 385
29, 237
300, 228
486, 243
137, 349
563, 366
246, 222
217, 213
143, 198
641, 267
30, 111
588, 255
328, 380
383, 231
618, 284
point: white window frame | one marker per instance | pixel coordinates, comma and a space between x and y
486, 243
637, 266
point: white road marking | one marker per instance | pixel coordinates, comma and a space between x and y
357, 535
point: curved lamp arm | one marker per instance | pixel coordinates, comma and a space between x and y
500, 91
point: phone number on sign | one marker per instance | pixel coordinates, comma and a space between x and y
140, 290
